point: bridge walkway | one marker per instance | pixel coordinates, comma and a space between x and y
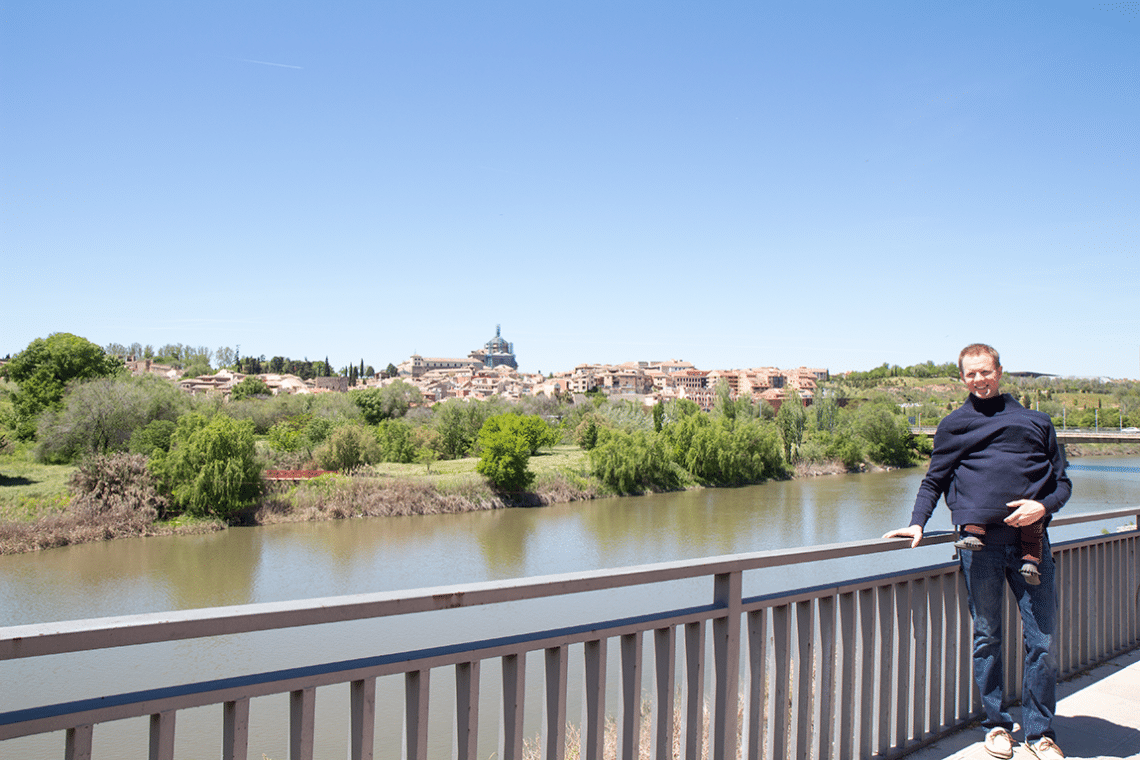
1098, 716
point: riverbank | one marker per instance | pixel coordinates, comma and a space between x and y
1076, 450
36, 510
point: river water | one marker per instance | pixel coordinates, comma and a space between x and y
298, 561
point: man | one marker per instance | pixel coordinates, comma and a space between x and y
998, 465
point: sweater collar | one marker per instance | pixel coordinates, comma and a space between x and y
988, 407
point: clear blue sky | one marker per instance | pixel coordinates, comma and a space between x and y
830, 184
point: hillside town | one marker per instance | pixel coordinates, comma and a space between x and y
492, 370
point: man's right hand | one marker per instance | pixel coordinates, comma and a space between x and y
914, 533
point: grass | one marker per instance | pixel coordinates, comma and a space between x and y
29, 490
446, 472
563, 455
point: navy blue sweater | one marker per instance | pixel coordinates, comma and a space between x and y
989, 452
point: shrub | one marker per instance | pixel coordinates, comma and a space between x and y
505, 445
289, 435
118, 485
250, 387
586, 434
211, 467
538, 432
633, 462
154, 437
886, 433
389, 402
397, 444
457, 424
349, 447
100, 416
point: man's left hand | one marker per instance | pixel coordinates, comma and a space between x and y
1025, 512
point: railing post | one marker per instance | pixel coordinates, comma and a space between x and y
162, 736
884, 642
514, 685
630, 748
362, 719
802, 685
594, 719
77, 745
844, 738
235, 730
904, 667
416, 683
467, 710
781, 664
757, 716
302, 719
556, 676
665, 655
726, 646
694, 689
826, 689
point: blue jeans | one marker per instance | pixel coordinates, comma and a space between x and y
987, 571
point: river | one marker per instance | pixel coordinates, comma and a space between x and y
297, 561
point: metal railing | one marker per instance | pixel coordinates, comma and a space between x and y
876, 666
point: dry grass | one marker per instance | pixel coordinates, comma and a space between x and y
110, 497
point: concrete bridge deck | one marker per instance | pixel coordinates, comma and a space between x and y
1098, 716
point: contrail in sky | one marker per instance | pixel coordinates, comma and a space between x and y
268, 63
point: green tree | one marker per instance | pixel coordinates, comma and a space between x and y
791, 419
539, 434
633, 462
155, 436
348, 447
458, 424
586, 433
724, 405
504, 443
886, 432
100, 416
250, 387
43, 369
397, 442
289, 435
391, 401
211, 468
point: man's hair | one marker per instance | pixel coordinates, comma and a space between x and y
979, 349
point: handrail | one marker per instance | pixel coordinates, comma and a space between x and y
39, 639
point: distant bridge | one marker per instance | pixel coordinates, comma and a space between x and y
1072, 435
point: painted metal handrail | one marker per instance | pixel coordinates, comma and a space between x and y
871, 666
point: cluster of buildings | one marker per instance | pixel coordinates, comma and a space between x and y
492, 370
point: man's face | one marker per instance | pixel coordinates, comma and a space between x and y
981, 374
